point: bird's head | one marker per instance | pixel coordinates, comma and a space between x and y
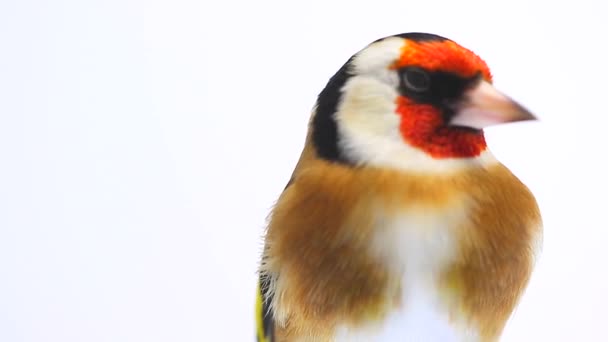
413, 100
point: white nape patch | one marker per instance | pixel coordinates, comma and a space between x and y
368, 127
418, 244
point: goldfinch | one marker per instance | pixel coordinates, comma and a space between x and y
398, 223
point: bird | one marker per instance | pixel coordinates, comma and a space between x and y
398, 223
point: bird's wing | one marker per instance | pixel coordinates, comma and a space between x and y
263, 311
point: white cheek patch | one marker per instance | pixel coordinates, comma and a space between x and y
368, 104
366, 118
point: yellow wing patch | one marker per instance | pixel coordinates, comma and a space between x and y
261, 318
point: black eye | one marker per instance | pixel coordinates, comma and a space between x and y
416, 80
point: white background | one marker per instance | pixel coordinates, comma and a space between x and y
142, 144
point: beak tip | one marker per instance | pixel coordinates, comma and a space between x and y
486, 106
522, 113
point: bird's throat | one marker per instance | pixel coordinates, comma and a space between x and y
422, 126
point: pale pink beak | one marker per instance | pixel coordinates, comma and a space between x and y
485, 106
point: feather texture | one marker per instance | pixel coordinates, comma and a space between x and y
325, 273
